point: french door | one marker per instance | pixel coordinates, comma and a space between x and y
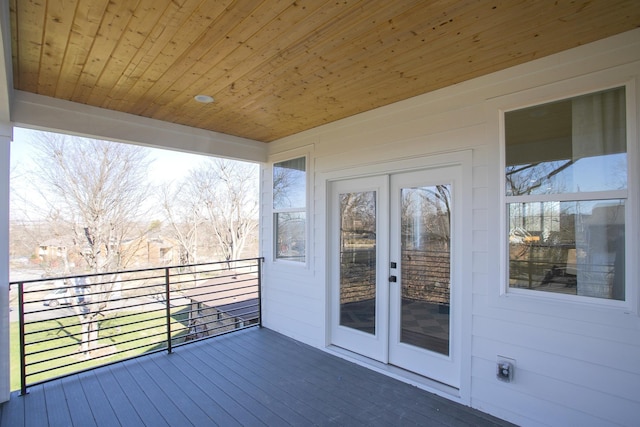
395, 270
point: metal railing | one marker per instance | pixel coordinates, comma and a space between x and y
70, 324
426, 275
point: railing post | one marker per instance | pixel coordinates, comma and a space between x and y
260, 261
168, 307
23, 356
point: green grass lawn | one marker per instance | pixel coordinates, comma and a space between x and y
130, 333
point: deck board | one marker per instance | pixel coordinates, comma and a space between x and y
254, 377
102, 411
213, 392
56, 405
203, 399
180, 397
35, 403
126, 412
76, 399
316, 385
13, 411
364, 394
242, 397
283, 386
138, 397
164, 406
240, 377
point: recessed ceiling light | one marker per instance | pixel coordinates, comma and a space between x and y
205, 99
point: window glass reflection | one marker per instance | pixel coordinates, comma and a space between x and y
358, 260
290, 184
290, 236
569, 146
426, 267
573, 248
289, 206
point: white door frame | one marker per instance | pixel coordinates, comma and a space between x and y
444, 368
370, 345
463, 158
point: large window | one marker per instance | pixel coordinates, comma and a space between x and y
566, 193
290, 209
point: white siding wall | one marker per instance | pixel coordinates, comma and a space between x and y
577, 364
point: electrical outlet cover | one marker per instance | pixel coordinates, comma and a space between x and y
505, 368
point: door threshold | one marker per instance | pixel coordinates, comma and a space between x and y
400, 374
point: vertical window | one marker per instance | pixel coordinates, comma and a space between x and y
290, 209
566, 193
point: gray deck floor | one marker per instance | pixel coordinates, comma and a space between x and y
254, 377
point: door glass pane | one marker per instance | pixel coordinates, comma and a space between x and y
358, 260
426, 250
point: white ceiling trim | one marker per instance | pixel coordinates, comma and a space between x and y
45, 113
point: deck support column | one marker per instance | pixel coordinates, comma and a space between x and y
5, 140
6, 135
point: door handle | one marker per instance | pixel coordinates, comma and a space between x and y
393, 279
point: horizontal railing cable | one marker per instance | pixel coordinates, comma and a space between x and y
70, 324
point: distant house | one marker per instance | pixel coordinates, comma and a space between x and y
141, 251
53, 252
52, 249
151, 250
223, 304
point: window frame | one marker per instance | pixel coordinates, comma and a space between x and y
274, 212
630, 195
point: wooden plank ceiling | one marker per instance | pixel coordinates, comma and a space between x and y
276, 68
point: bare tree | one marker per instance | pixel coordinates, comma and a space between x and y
97, 189
530, 178
357, 215
230, 196
219, 198
426, 216
183, 211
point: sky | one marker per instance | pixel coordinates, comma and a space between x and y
166, 166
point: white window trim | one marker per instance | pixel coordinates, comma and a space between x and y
559, 91
278, 158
